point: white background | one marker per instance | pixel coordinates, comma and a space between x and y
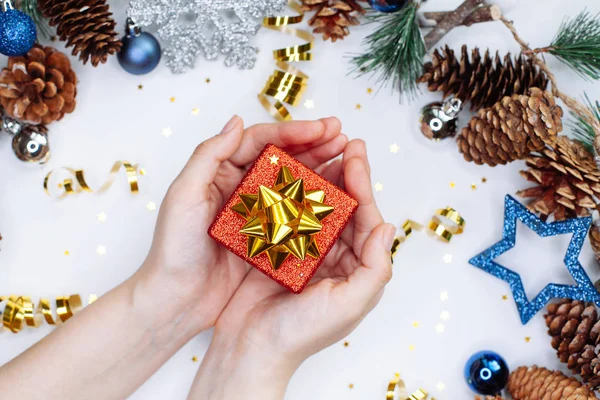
116, 121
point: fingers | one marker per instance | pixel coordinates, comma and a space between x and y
331, 171
358, 185
321, 154
365, 284
203, 165
294, 136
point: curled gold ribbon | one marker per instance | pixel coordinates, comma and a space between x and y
395, 383
418, 395
21, 311
445, 223
77, 183
288, 83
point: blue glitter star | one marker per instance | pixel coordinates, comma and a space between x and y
584, 290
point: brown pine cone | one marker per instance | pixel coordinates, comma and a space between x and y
87, 25
489, 398
567, 181
333, 17
482, 81
536, 383
38, 88
511, 129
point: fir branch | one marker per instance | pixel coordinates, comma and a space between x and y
395, 50
583, 131
578, 44
31, 8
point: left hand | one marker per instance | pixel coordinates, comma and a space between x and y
192, 275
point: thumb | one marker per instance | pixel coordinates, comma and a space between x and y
203, 165
368, 280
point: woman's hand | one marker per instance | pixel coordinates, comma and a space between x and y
265, 332
185, 267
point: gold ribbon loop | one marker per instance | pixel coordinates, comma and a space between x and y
68, 188
288, 84
20, 311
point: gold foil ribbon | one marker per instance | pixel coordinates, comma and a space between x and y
20, 311
283, 219
444, 224
77, 183
288, 83
398, 384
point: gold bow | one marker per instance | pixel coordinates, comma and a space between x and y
283, 219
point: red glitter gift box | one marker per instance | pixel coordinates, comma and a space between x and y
283, 218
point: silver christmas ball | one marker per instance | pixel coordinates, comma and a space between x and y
30, 144
439, 120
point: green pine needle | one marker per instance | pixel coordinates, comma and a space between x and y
578, 44
582, 130
31, 8
395, 50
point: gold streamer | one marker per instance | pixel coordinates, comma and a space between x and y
20, 311
445, 223
398, 384
288, 83
77, 183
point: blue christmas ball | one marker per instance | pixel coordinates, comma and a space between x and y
17, 33
140, 53
486, 373
388, 6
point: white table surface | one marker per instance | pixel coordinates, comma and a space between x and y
116, 121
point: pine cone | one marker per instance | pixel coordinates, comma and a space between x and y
87, 25
511, 129
483, 82
536, 383
567, 179
489, 398
595, 240
38, 88
333, 17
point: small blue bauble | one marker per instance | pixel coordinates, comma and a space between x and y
486, 373
140, 53
387, 6
17, 33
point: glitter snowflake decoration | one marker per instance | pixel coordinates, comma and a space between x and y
189, 27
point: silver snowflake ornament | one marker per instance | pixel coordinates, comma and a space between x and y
213, 27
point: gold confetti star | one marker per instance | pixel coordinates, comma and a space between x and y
140, 87
143, 171
67, 253
101, 250
92, 298
527, 339
444, 296
369, 90
172, 99
504, 297
346, 344
445, 316
195, 112
411, 347
166, 132
309, 103
448, 258
101, 217
358, 106
440, 328
207, 80
415, 324
274, 159
484, 180
440, 386
151, 206
378, 186
194, 359
452, 185
394, 148
351, 386
473, 187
